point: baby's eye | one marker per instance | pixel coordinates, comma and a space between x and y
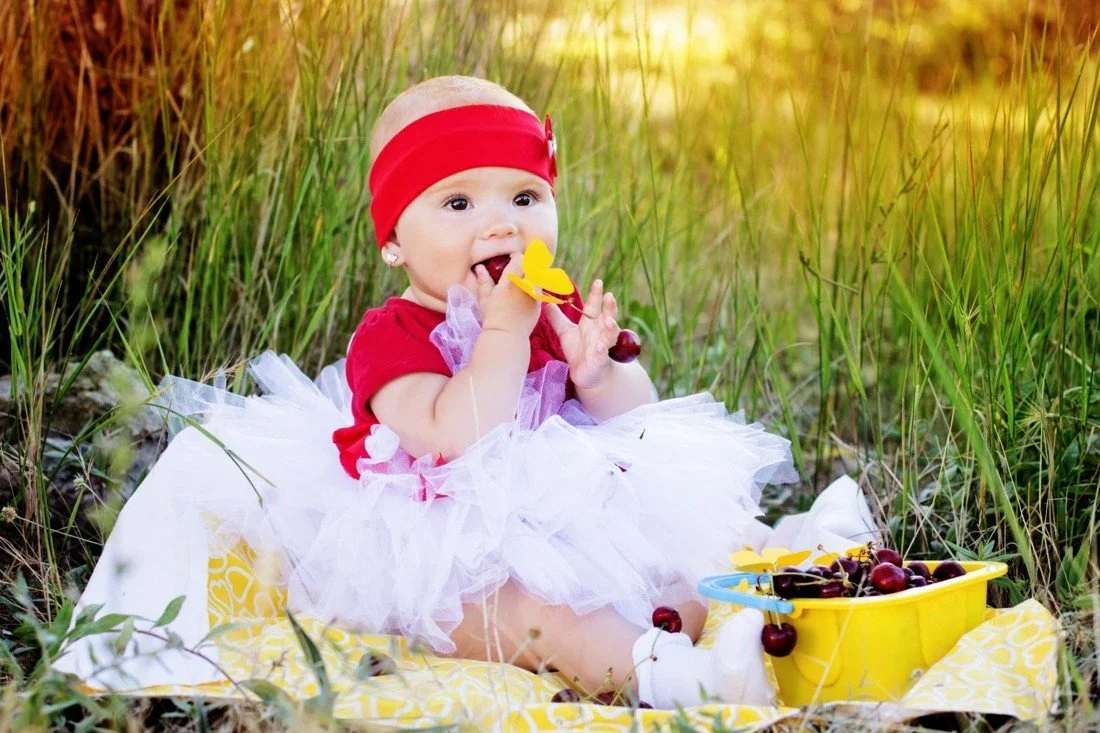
525, 198
457, 203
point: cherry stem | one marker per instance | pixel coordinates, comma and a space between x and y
577, 309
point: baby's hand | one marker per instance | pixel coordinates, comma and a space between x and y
586, 343
504, 306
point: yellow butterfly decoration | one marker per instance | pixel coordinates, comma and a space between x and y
770, 559
538, 274
858, 553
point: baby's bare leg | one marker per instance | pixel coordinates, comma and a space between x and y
513, 626
594, 648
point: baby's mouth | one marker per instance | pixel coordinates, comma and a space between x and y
495, 266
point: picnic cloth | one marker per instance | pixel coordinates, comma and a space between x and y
1004, 666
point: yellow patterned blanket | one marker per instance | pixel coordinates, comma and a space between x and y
1006, 665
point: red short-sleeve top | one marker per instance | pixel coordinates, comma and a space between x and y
393, 340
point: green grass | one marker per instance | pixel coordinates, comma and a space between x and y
901, 279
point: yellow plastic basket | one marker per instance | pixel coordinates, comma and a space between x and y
868, 649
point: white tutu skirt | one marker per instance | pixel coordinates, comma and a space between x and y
578, 512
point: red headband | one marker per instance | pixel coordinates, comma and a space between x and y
443, 143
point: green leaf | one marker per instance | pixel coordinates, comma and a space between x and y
316, 663
123, 639
101, 625
266, 691
1071, 571
170, 612
220, 630
63, 619
87, 614
1087, 603
11, 665
274, 697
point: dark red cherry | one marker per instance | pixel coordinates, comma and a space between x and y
626, 348
916, 582
495, 266
920, 569
667, 618
784, 586
832, 589
606, 698
852, 569
644, 706
887, 555
373, 664
948, 570
785, 582
778, 640
888, 578
843, 564
566, 695
809, 580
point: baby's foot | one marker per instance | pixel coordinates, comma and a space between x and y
672, 672
739, 661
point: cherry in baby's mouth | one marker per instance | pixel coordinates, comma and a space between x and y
495, 266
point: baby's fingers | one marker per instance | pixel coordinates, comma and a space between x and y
610, 330
558, 320
484, 283
610, 305
595, 295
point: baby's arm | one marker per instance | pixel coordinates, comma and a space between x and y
605, 387
625, 387
444, 416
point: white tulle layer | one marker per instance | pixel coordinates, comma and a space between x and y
542, 500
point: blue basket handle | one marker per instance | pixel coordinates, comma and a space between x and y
718, 586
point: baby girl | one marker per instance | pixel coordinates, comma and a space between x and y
478, 475
463, 172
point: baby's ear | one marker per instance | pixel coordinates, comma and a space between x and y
391, 253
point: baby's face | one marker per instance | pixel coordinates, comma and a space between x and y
465, 219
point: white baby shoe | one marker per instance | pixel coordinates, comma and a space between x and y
672, 672
739, 657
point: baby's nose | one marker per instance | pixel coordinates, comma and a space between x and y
501, 228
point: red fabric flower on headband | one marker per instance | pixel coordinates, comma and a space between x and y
552, 146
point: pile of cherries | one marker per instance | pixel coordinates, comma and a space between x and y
870, 573
627, 346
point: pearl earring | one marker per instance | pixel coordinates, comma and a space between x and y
390, 258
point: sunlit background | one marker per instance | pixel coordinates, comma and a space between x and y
871, 225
